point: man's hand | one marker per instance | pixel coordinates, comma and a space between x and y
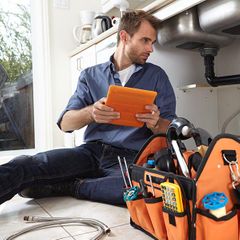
153, 120
102, 113
98, 112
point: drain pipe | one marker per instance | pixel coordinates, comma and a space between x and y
208, 53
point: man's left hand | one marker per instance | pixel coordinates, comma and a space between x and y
151, 119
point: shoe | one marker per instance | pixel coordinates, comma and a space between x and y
54, 190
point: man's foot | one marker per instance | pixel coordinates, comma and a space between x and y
54, 190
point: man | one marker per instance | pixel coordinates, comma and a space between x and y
91, 171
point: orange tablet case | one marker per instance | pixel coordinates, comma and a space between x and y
129, 102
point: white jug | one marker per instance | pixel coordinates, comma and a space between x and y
82, 33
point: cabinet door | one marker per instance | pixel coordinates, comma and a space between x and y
106, 48
82, 60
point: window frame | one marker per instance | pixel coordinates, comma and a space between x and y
41, 81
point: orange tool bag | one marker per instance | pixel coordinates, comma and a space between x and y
169, 205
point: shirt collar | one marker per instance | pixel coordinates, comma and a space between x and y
113, 69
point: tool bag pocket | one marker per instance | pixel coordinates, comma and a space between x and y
238, 215
176, 225
146, 214
210, 227
139, 215
215, 175
154, 207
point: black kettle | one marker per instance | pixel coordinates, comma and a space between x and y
100, 25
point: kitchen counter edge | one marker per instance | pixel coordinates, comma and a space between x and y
150, 8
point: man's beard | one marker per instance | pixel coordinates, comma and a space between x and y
135, 59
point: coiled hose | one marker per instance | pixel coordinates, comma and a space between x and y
53, 221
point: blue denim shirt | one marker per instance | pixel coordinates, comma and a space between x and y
93, 84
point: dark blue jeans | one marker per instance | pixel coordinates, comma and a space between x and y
94, 162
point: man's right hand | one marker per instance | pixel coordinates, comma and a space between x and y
98, 112
102, 113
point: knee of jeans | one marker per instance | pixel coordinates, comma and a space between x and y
22, 160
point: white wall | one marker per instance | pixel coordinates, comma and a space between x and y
62, 43
227, 63
205, 107
185, 67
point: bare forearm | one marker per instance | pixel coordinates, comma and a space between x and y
98, 112
76, 119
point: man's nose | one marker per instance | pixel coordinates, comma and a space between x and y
150, 48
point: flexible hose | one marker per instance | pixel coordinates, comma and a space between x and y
229, 119
49, 221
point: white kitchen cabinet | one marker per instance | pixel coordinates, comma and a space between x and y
80, 61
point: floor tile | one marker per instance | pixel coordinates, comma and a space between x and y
117, 218
11, 220
70, 207
118, 233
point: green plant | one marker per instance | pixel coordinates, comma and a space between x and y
15, 45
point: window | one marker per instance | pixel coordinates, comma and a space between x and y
41, 77
16, 80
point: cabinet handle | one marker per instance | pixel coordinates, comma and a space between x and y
110, 45
79, 63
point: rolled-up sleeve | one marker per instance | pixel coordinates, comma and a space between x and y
81, 97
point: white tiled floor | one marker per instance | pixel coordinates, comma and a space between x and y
117, 218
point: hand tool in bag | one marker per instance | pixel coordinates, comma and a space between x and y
180, 158
172, 197
187, 130
194, 161
127, 172
174, 135
181, 129
143, 189
201, 137
150, 163
131, 192
215, 202
164, 160
151, 183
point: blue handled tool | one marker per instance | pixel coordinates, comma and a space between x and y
131, 193
215, 200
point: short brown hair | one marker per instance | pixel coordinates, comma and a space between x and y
131, 21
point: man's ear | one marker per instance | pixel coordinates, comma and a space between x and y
123, 36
